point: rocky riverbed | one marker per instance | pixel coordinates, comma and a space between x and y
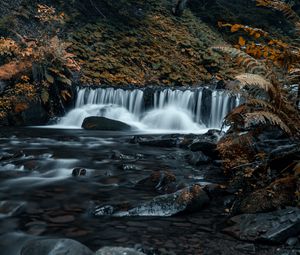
157, 194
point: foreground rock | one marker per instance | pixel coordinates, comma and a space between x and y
118, 251
188, 199
161, 181
102, 123
55, 247
273, 227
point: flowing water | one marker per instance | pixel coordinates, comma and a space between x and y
39, 197
171, 110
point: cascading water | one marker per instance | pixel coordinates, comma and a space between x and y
191, 110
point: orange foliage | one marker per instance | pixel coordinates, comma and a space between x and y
13, 69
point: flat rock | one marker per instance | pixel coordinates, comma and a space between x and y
102, 123
55, 247
272, 227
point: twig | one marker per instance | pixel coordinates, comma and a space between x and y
101, 13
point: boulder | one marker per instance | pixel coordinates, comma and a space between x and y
161, 181
55, 247
79, 171
102, 123
188, 199
34, 114
279, 193
118, 251
197, 158
208, 148
272, 227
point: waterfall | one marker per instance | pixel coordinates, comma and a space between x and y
187, 110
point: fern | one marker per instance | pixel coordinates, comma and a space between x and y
251, 64
264, 118
261, 104
284, 8
257, 82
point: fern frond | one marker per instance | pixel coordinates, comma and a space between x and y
236, 115
255, 80
264, 118
283, 7
251, 64
261, 103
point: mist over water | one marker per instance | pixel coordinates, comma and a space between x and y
172, 110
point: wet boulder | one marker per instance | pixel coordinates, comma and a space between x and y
272, 227
284, 155
55, 247
207, 147
161, 181
189, 199
197, 158
118, 251
79, 171
105, 124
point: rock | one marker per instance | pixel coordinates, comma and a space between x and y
197, 158
248, 248
162, 181
163, 142
11, 208
283, 251
117, 155
292, 241
272, 227
78, 171
104, 210
284, 155
188, 199
118, 251
206, 105
8, 156
208, 148
129, 167
55, 247
34, 114
102, 123
279, 193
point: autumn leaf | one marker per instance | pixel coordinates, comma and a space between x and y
235, 27
242, 41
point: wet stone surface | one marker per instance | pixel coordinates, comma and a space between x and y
44, 193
